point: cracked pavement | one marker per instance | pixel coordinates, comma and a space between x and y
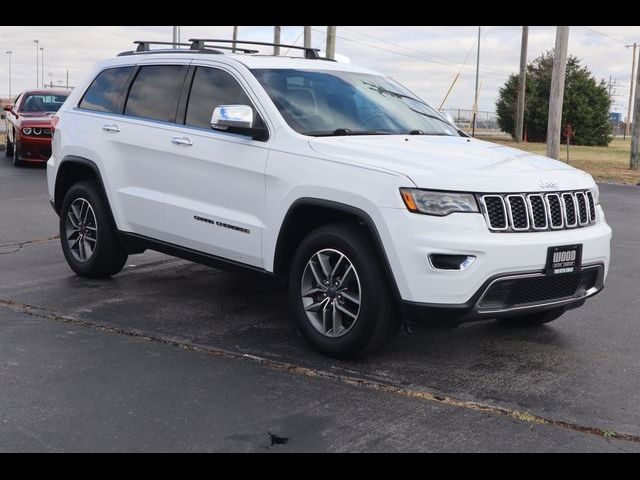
173, 356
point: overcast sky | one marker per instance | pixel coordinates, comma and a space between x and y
424, 58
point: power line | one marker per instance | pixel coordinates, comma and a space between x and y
293, 44
421, 58
603, 34
409, 48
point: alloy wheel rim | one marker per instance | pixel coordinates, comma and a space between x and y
81, 230
331, 293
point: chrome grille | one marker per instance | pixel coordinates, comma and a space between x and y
537, 211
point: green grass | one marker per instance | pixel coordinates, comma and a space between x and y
606, 164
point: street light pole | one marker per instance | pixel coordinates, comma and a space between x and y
9, 52
42, 64
37, 65
475, 102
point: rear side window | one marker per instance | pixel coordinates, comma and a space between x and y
155, 92
211, 88
108, 91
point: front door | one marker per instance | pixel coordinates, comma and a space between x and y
215, 181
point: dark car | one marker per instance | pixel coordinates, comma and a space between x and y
29, 127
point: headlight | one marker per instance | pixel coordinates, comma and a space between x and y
37, 131
595, 191
26, 131
438, 203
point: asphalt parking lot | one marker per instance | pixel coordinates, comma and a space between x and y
173, 356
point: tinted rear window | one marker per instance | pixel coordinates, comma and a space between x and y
155, 92
108, 91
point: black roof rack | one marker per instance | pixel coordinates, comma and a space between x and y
144, 46
200, 43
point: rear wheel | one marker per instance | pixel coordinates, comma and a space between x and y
89, 241
533, 319
340, 294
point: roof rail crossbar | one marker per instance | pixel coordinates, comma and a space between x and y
144, 46
200, 43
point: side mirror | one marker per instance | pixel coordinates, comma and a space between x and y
8, 108
237, 119
234, 116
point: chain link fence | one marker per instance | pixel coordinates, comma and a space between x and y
485, 120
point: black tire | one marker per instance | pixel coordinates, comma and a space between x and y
108, 256
533, 319
17, 152
8, 146
377, 319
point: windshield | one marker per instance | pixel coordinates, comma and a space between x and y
327, 103
42, 102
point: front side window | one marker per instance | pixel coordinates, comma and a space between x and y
155, 92
108, 91
211, 88
325, 103
42, 102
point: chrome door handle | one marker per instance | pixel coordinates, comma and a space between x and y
111, 128
181, 141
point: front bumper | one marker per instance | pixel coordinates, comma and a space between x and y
515, 294
497, 255
35, 149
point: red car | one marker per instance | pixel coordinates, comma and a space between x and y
29, 126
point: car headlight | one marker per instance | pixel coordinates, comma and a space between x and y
26, 131
37, 131
595, 191
438, 203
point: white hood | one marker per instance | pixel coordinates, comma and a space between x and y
455, 163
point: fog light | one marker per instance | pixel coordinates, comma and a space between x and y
450, 262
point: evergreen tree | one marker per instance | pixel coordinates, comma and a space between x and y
586, 103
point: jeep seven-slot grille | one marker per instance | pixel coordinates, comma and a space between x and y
538, 211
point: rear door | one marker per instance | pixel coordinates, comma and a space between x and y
126, 112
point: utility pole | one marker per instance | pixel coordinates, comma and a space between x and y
37, 64
556, 95
331, 42
634, 163
522, 85
42, 60
307, 37
175, 37
276, 39
235, 39
9, 52
475, 101
67, 78
627, 127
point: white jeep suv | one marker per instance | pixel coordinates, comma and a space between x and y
374, 207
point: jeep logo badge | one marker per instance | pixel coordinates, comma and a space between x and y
548, 184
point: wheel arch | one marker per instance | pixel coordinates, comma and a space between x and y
307, 214
73, 169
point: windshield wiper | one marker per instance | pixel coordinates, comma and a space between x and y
345, 132
429, 134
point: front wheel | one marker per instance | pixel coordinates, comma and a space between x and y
89, 241
17, 152
533, 319
340, 293
8, 146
